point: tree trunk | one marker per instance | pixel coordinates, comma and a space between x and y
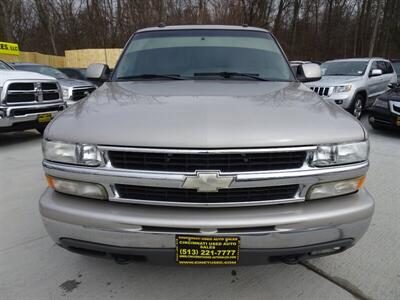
375, 30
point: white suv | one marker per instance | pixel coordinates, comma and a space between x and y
354, 83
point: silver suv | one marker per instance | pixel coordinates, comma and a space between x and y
204, 149
354, 83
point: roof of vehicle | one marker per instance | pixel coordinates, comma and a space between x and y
185, 27
358, 59
27, 64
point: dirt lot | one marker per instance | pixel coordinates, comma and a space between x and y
33, 267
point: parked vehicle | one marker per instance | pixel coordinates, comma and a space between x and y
396, 66
354, 83
204, 149
27, 100
385, 112
73, 90
75, 73
5, 66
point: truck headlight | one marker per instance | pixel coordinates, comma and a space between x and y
381, 103
342, 88
71, 153
65, 94
340, 154
77, 188
337, 188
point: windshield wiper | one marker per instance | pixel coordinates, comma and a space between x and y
152, 76
231, 74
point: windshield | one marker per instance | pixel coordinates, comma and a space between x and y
4, 66
203, 54
344, 68
45, 70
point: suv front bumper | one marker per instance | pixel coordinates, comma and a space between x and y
267, 232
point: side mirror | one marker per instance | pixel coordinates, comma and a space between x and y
393, 85
309, 72
98, 72
375, 72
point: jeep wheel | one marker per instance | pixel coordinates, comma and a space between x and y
357, 106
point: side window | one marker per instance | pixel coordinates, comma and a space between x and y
389, 67
374, 66
382, 66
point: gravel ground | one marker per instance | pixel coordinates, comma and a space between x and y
33, 267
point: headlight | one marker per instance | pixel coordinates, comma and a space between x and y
77, 188
65, 94
381, 103
342, 88
340, 154
337, 188
80, 154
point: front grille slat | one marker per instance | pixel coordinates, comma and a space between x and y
237, 162
192, 196
322, 91
82, 92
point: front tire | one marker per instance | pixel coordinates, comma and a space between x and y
40, 130
356, 108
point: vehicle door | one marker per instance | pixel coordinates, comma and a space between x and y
385, 78
374, 82
392, 76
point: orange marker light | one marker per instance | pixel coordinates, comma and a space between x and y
50, 181
360, 183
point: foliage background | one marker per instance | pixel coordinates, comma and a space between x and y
307, 29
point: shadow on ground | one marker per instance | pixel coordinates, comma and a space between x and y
19, 137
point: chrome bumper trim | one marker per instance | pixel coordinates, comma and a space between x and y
9, 119
108, 177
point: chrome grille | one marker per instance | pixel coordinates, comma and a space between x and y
224, 162
192, 196
322, 91
79, 93
31, 92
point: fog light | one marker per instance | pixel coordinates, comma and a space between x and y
77, 188
337, 188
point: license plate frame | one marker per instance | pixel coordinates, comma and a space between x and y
207, 250
44, 118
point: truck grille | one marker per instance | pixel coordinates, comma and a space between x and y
79, 93
233, 162
322, 91
192, 196
29, 92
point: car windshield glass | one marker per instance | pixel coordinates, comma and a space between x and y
4, 66
344, 68
45, 70
190, 54
396, 66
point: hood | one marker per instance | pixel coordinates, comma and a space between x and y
327, 81
204, 114
70, 82
391, 95
6, 75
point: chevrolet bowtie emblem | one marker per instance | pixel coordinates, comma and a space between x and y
210, 181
